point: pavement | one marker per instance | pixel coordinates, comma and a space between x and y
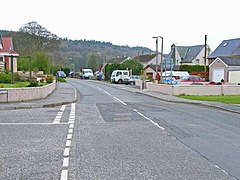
65, 93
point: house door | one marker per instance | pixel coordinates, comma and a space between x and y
218, 74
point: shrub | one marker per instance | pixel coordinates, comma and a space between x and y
16, 77
5, 78
59, 79
33, 84
49, 78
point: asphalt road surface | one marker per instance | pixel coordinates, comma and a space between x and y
115, 134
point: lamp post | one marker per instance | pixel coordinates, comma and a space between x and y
156, 37
11, 57
161, 65
161, 58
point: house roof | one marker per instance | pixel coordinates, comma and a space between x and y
231, 61
118, 59
227, 48
145, 58
153, 67
188, 53
6, 46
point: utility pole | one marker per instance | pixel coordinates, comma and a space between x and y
205, 56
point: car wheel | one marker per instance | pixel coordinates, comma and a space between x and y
120, 81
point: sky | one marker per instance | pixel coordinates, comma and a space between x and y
130, 22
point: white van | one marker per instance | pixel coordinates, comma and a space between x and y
120, 76
86, 74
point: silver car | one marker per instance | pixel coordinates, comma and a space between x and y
133, 78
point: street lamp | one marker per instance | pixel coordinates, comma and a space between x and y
156, 37
161, 65
161, 58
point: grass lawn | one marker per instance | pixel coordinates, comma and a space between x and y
17, 85
225, 99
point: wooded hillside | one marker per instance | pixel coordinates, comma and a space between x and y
67, 52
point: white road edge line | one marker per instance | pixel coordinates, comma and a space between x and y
221, 169
33, 123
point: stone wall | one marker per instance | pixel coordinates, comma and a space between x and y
26, 94
198, 90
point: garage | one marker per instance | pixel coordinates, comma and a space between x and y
234, 76
218, 74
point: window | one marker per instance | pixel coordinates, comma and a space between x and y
197, 61
119, 73
1, 59
1, 46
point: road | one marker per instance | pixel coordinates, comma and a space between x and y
115, 134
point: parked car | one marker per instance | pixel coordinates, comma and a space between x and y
120, 76
61, 74
169, 80
86, 73
192, 78
133, 78
99, 75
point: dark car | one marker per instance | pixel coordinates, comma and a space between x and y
60, 74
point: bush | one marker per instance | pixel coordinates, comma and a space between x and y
193, 68
33, 84
49, 78
16, 77
5, 78
59, 79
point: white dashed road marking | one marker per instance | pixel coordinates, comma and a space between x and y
145, 117
141, 114
66, 154
59, 115
120, 101
64, 175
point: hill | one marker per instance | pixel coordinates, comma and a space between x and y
76, 51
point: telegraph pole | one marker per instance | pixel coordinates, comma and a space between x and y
205, 56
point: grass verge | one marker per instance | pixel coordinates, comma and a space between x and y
233, 99
18, 85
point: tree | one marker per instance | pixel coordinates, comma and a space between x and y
44, 40
32, 37
134, 65
93, 62
109, 68
41, 61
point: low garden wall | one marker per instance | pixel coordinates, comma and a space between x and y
197, 90
26, 94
